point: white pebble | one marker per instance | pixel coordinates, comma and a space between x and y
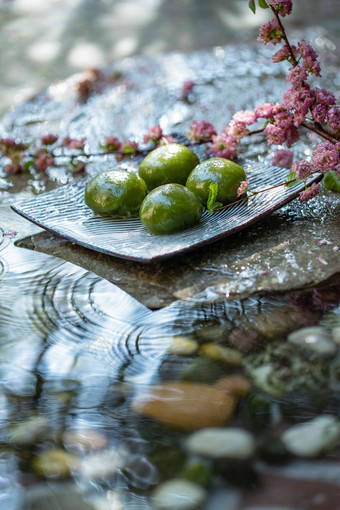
316, 339
312, 438
222, 443
102, 464
178, 494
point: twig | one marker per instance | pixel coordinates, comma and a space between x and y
284, 35
256, 193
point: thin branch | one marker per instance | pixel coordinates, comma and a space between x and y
284, 35
256, 193
320, 131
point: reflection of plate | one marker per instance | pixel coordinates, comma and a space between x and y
63, 212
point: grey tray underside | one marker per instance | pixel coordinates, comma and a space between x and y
63, 212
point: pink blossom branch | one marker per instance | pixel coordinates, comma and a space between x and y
316, 128
320, 131
284, 36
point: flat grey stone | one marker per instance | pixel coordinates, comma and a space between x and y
277, 254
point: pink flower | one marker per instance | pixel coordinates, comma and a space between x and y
319, 112
333, 118
154, 134
283, 7
187, 87
73, 143
48, 139
236, 130
310, 192
282, 54
298, 99
283, 158
129, 147
245, 117
43, 161
223, 146
270, 32
8, 146
324, 96
274, 134
282, 130
264, 111
303, 169
201, 131
326, 157
165, 140
13, 168
297, 75
243, 187
310, 58
283, 120
111, 144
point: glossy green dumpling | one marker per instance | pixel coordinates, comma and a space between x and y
167, 164
225, 173
170, 208
115, 192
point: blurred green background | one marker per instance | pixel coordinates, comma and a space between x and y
46, 40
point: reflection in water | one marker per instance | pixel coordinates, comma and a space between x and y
76, 352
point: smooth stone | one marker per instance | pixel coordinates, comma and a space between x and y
183, 346
202, 370
336, 335
244, 339
102, 464
185, 405
315, 339
178, 494
55, 497
222, 443
110, 502
84, 440
222, 354
312, 438
234, 384
55, 463
198, 471
28, 432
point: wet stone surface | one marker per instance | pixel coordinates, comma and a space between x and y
78, 353
281, 252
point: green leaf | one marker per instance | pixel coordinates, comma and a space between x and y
292, 177
263, 4
101, 146
27, 165
128, 150
211, 202
252, 5
331, 181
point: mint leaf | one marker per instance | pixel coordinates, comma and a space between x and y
211, 202
252, 5
331, 181
263, 4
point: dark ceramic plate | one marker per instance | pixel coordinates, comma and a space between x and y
63, 212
